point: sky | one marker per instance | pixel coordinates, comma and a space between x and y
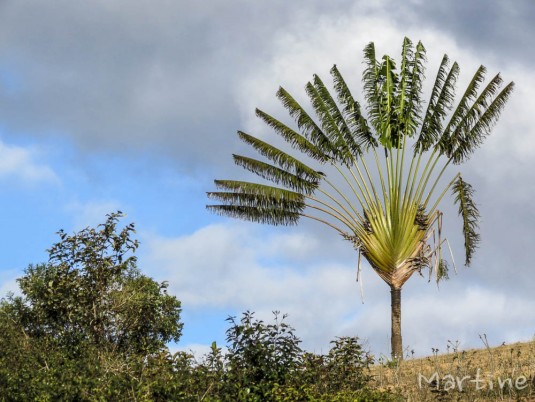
134, 106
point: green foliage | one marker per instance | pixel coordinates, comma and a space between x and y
290, 394
258, 202
260, 355
468, 211
90, 290
347, 364
88, 325
265, 363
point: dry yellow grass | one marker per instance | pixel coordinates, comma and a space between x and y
504, 373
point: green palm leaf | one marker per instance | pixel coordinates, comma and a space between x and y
257, 202
468, 211
481, 122
357, 124
446, 141
333, 122
306, 124
276, 174
295, 139
412, 113
281, 158
440, 104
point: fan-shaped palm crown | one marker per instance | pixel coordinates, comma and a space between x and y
385, 169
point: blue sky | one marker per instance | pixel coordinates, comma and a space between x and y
134, 106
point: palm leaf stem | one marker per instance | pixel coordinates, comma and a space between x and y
368, 175
345, 234
444, 191
340, 215
399, 170
406, 196
356, 180
426, 175
336, 201
439, 224
380, 171
362, 185
347, 216
436, 183
400, 166
341, 219
389, 177
394, 198
389, 174
350, 184
436, 252
451, 255
432, 217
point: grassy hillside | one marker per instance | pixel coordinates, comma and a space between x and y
504, 373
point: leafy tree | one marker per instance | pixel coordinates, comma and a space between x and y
345, 369
92, 290
348, 364
210, 374
259, 356
385, 205
265, 363
88, 325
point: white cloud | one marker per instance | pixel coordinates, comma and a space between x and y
91, 213
457, 312
19, 163
234, 267
8, 282
295, 57
198, 350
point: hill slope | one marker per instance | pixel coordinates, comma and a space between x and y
503, 373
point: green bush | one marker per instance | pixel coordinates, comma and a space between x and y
88, 326
260, 355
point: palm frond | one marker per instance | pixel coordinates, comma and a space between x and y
277, 175
387, 122
405, 78
480, 121
445, 142
266, 216
263, 190
306, 124
463, 193
473, 113
257, 202
329, 125
440, 104
371, 86
295, 139
348, 146
352, 114
281, 158
412, 115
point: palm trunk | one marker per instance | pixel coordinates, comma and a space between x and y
397, 344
